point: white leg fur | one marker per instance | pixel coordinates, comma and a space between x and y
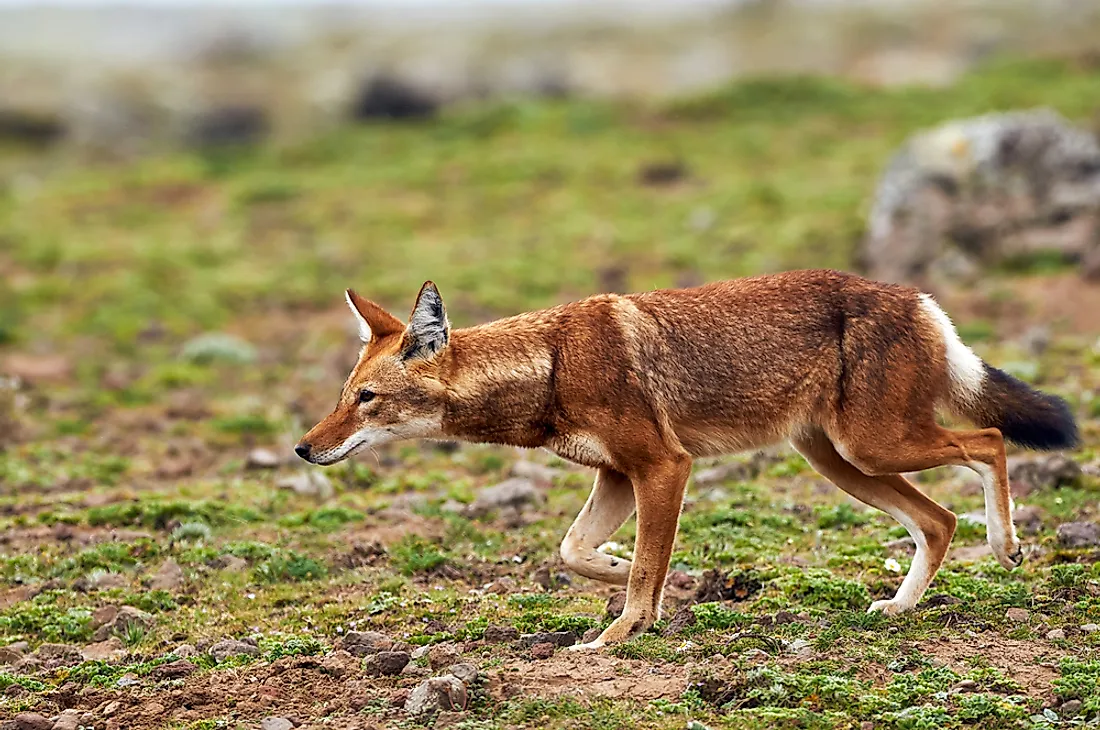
919, 575
1000, 534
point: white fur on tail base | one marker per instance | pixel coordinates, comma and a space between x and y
965, 369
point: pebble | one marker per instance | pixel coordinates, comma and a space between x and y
1056, 634
544, 650
1018, 615
386, 663
276, 723
1090, 628
32, 721
500, 634
262, 459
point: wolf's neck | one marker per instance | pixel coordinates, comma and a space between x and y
500, 380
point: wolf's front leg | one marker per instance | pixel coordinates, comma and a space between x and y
659, 493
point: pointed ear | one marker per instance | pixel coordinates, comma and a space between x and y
373, 321
428, 331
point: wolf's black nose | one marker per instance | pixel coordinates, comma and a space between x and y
302, 450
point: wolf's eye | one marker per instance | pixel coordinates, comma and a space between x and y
366, 396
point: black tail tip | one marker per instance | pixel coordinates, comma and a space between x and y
1035, 420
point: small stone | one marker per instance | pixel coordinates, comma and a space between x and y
310, 483
8, 655
398, 698
539, 473
800, 647
443, 655
231, 563
168, 578
616, 604
103, 616
174, 670
127, 680
67, 720
231, 647
218, 347
276, 723
105, 651
1079, 534
152, 708
436, 694
680, 621
364, 643
386, 663
415, 670
502, 586
185, 651
557, 638
262, 459
516, 493
339, 663
544, 650
1090, 628
1017, 615
32, 721
785, 617
1070, 709
496, 634
966, 685
591, 635
111, 708
1029, 520
755, 655
466, 673
1056, 634
867, 725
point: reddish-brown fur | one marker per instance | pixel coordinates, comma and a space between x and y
637, 386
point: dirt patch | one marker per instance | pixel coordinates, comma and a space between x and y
1034, 664
591, 674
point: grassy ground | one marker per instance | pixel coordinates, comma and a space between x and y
128, 433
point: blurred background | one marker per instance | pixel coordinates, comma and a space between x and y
187, 188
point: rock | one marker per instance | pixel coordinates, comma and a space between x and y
230, 562
616, 604
902, 545
977, 191
216, 347
276, 723
111, 708
502, 586
515, 493
184, 651
262, 459
436, 694
102, 581
443, 655
104, 616
1079, 534
591, 635
497, 634
231, 647
10, 655
1017, 615
1029, 520
545, 650
535, 472
363, 643
1029, 474
680, 621
1070, 709
800, 647
662, 173
1090, 628
227, 126
174, 670
56, 656
466, 673
32, 721
384, 97
339, 663
120, 620
105, 651
550, 580
966, 685
308, 483
557, 638
1056, 635
68, 720
168, 578
127, 680
417, 671
386, 663
732, 472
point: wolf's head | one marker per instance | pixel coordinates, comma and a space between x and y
393, 391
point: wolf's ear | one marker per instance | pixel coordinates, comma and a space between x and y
428, 330
373, 321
